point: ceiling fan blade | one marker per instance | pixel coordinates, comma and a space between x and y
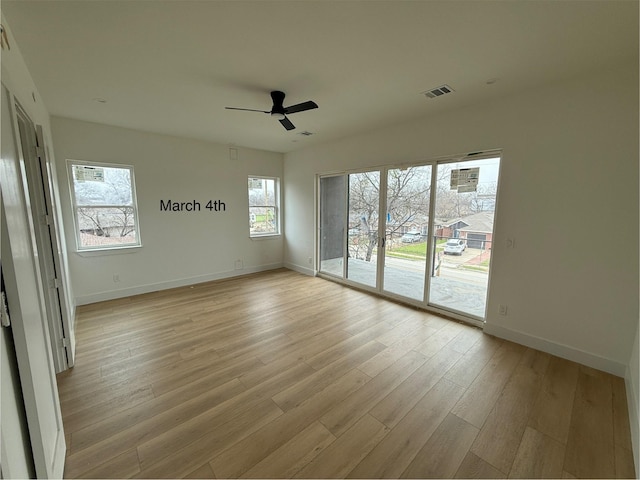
301, 107
286, 123
247, 109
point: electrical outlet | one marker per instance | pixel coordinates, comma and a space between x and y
511, 243
502, 310
116, 278
309, 260
239, 265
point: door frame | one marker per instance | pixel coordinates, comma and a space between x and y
46, 173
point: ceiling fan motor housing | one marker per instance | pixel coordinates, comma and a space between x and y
278, 101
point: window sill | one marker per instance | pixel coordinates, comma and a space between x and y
99, 252
267, 236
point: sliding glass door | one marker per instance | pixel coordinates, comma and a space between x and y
430, 246
348, 227
406, 231
465, 200
363, 223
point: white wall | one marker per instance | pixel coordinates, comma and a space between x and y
179, 248
568, 195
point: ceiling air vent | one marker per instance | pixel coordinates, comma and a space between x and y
438, 92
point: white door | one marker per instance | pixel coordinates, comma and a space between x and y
50, 258
25, 301
16, 460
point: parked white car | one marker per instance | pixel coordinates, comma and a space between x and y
454, 246
411, 237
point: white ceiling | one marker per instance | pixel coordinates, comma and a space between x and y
172, 66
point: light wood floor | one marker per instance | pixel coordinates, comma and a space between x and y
280, 375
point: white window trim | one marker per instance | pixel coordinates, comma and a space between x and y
278, 209
103, 249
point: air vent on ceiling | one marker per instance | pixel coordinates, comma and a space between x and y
438, 92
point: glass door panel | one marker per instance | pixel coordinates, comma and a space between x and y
406, 231
362, 233
333, 208
465, 200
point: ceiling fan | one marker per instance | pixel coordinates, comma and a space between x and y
280, 112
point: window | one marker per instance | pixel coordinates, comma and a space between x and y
264, 201
104, 203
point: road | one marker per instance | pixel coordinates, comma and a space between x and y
449, 269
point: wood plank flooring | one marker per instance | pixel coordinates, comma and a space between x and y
281, 375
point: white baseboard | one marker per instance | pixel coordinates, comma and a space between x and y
634, 419
183, 282
297, 268
564, 351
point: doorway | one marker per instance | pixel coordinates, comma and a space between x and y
430, 246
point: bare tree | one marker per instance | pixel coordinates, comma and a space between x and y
364, 191
92, 216
105, 207
407, 203
407, 198
125, 220
484, 198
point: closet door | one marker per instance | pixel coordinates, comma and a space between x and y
26, 306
